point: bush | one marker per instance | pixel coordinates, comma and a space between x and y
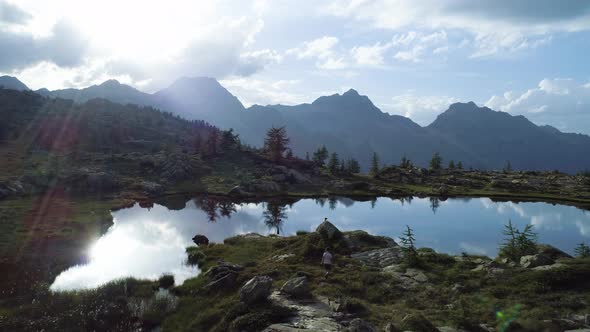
166, 281
300, 232
195, 256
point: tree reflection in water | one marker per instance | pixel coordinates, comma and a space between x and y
215, 207
275, 215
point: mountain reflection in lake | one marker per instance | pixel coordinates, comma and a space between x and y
145, 242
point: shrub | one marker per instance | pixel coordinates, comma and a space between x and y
582, 250
195, 256
166, 281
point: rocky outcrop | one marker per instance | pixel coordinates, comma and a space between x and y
310, 315
532, 261
222, 276
356, 240
296, 287
380, 257
408, 279
328, 231
256, 290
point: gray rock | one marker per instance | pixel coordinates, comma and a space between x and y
328, 230
359, 325
296, 287
222, 276
280, 258
531, 261
414, 322
256, 289
549, 267
380, 257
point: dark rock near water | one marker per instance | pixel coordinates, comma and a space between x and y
200, 240
296, 287
256, 289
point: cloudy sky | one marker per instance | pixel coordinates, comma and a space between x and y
412, 58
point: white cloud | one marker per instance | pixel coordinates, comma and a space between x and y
413, 46
549, 103
320, 48
421, 109
495, 27
370, 55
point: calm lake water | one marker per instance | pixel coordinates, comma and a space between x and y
145, 242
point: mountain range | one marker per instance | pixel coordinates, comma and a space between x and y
351, 125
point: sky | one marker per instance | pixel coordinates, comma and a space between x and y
412, 58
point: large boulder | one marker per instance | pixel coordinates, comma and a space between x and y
256, 289
222, 276
359, 325
357, 240
532, 261
328, 231
200, 240
296, 287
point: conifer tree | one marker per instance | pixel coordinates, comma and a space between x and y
459, 165
320, 155
409, 248
275, 143
582, 250
451, 164
333, 163
374, 171
436, 161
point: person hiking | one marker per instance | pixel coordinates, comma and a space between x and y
327, 262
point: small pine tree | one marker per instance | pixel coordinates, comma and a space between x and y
582, 250
333, 163
374, 171
289, 154
451, 164
436, 161
518, 243
409, 248
353, 166
307, 156
320, 156
459, 165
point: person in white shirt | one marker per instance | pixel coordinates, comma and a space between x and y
327, 262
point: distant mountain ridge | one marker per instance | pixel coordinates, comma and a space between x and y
351, 125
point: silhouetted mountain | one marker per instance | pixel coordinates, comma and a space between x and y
111, 90
351, 125
12, 83
497, 137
